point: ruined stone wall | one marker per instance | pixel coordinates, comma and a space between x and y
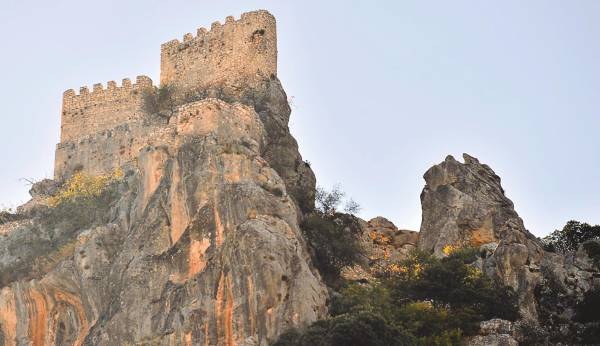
103, 151
100, 129
101, 109
228, 52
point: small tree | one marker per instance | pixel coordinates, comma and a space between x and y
329, 202
352, 207
160, 101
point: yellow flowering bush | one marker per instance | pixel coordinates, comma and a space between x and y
82, 185
410, 268
380, 238
449, 249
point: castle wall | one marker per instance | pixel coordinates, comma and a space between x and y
103, 128
102, 109
228, 52
101, 152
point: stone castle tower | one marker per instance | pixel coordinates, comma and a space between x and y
103, 128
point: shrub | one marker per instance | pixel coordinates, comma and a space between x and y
430, 301
82, 202
333, 242
592, 248
160, 101
82, 187
355, 297
587, 310
359, 329
9, 216
570, 237
451, 282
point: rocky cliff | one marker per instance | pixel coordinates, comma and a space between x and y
184, 229
464, 205
195, 242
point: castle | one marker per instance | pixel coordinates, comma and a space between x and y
103, 128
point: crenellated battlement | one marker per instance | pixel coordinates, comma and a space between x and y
99, 91
201, 34
227, 52
102, 108
236, 50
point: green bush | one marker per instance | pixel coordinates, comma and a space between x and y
9, 216
359, 329
328, 202
429, 301
588, 309
333, 242
592, 248
587, 312
570, 237
451, 282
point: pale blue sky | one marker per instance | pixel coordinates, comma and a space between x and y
382, 90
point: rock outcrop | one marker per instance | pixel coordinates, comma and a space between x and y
464, 205
495, 332
198, 243
381, 244
565, 280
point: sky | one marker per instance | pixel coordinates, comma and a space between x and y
380, 90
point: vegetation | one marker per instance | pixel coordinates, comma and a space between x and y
160, 101
362, 328
83, 201
420, 301
332, 237
587, 309
8, 216
329, 202
333, 243
592, 248
571, 236
82, 188
587, 312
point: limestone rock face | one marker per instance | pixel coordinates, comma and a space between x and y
198, 244
495, 332
566, 277
268, 98
381, 244
385, 243
464, 205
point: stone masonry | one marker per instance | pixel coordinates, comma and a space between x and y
230, 51
104, 128
102, 109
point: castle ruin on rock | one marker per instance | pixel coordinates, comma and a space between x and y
104, 128
198, 242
